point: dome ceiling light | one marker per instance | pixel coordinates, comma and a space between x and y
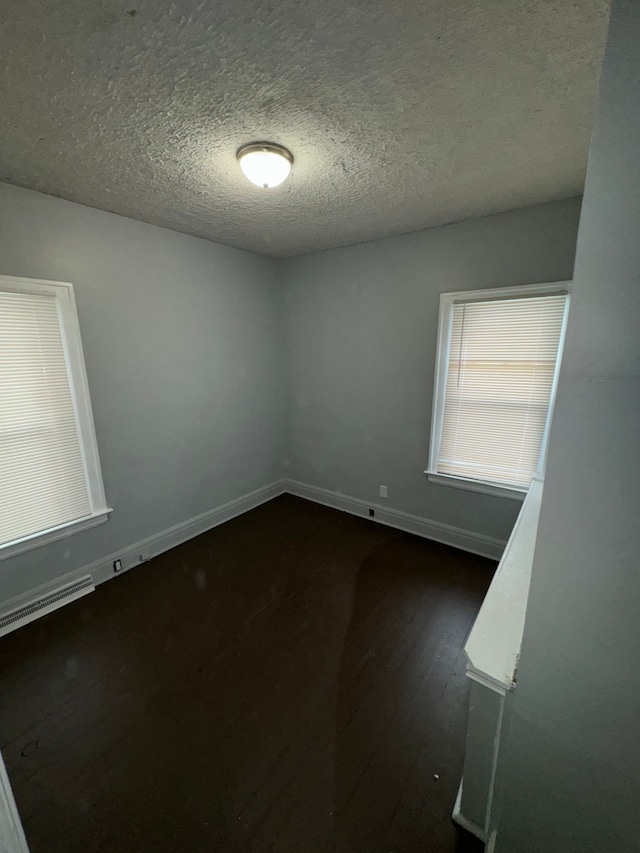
265, 164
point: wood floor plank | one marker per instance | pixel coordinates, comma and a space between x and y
288, 682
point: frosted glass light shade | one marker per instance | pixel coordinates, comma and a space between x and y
265, 164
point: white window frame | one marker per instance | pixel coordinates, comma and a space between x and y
447, 301
70, 329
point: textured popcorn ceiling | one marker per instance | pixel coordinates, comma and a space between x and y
400, 114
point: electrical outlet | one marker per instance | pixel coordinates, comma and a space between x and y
383, 491
117, 565
372, 513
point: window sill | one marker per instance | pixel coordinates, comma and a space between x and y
28, 543
477, 486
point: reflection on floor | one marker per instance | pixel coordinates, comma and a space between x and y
291, 681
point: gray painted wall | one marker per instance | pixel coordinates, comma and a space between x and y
189, 346
361, 329
184, 355
571, 780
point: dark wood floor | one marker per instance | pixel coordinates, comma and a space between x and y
290, 681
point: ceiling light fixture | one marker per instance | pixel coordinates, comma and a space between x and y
266, 164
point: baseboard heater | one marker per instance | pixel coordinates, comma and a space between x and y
45, 603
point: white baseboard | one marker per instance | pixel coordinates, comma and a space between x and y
476, 543
133, 555
459, 818
140, 552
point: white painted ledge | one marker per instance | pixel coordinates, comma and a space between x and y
493, 647
476, 486
45, 537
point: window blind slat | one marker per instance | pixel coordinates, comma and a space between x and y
43, 482
501, 367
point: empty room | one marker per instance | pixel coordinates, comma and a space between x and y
319, 446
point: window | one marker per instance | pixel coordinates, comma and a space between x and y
498, 358
50, 481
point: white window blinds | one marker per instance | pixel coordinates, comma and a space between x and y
43, 481
501, 367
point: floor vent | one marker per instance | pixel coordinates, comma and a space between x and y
45, 604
